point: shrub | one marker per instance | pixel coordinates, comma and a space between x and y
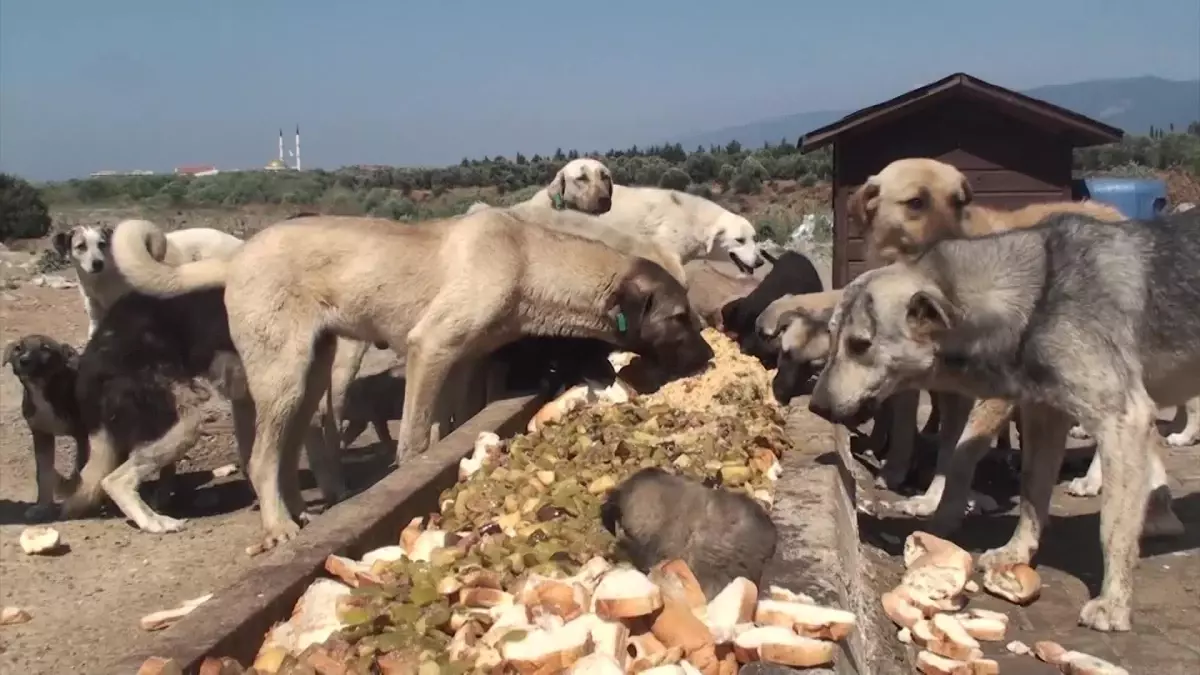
674, 179
23, 214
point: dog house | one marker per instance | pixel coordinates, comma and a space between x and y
1014, 149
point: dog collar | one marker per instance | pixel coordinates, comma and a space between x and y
556, 201
622, 325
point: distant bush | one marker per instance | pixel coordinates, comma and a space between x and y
23, 214
674, 179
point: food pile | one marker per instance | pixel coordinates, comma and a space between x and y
516, 573
930, 602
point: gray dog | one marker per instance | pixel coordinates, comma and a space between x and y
1074, 318
721, 535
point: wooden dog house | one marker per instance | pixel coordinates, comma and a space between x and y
1014, 149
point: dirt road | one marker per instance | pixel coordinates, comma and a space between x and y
86, 603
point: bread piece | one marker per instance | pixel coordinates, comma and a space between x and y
596, 664
552, 650
934, 664
808, 620
685, 580
786, 595
669, 669
925, 636
39, 540
985, 667
167, 617
1049, 651
948, 631
625, 593
408, 536
936, 568
157, 665
610, 639
1019, 583
1078, 663
1019, 648
982, 624
930, 606
775, 644
554, 411
223, 666
735, 604
898, 608
676, 626
484, 598
352, 572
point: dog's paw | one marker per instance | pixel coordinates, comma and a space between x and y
1082, 487
1079, 434
160, 524
274, 537
1106, 615
41, 513
1181, 440
918, 507
75, 507
1001, 557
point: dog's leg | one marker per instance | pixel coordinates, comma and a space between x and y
1191, 432
1043, 444
86, 490
877, 442
323, 458
935, 415
354, 428
951, 429
144, 461
986, 417
1124, 441
90, 309
164, 487
1161, 520
1089, 484
901, 439
48, 479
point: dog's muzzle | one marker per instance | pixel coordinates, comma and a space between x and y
846, 417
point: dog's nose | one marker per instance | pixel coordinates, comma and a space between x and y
97, 266
24, 359
820, 409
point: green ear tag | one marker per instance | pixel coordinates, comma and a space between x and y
557, 200
621, 325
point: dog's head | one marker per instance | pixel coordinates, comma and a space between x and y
910, 204
885, 336
584, 185
37, 358
802, 342
653, 319
86, 246
735, 235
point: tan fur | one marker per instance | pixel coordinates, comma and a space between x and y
710, 289
444, 293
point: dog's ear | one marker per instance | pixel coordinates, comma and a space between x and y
965, 194
558, 189
70, 355
633, 303
62, 243
863, 203
928, 314
106, 233
9, 350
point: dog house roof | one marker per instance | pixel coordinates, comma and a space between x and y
1079, 130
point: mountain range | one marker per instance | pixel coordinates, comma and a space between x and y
1134, 104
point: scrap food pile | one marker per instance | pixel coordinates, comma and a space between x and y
515, 573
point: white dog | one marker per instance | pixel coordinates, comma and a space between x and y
101, 283
690, 226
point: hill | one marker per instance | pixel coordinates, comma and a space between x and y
1134, 104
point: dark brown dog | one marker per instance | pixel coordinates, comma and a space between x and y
48, 370
721, 535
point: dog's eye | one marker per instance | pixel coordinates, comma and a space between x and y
102, 244
80, 248
916, 203
857, 346
739, 241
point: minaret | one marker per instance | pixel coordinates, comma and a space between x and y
281, 146
297, 147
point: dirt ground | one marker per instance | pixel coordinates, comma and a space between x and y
86, 603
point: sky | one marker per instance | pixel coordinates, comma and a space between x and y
135, 84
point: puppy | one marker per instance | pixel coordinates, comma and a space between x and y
101, 283
721, 535
48, 371
375, 400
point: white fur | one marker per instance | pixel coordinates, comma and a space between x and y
100, 281
689, 225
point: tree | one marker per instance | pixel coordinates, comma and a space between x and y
674, 179
23, 214
701, 167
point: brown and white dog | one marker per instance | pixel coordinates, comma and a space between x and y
47, 370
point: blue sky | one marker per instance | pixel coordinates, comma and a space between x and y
124, 84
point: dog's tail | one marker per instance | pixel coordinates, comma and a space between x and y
139, 246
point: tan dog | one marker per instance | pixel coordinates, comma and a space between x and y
444, 292
908, 206
710, 289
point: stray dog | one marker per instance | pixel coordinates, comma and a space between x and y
142, 377
376, 400
909, 205
101, 283
1077, 318
721, 535
47, 370
710, 288
792, 274
445, 292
